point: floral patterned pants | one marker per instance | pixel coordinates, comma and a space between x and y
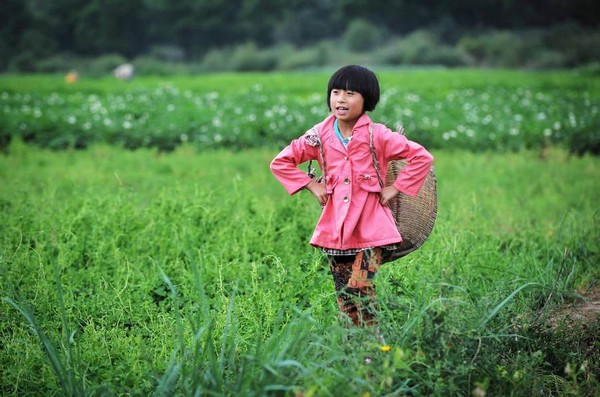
353, 278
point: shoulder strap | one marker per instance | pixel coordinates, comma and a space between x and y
374, 156
312, 172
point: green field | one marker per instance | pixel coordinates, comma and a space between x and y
462, 109
188, 272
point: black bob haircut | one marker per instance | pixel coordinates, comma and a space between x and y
359, 79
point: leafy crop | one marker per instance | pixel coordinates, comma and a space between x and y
475, 110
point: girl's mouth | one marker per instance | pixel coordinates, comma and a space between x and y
341, 110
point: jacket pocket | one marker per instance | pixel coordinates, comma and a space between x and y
330, 183
368, 182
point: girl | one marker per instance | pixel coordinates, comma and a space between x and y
356, 226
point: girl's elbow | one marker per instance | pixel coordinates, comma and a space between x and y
426, 158
429, 157
275, 165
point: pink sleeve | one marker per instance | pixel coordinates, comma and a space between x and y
419, 161
285, 165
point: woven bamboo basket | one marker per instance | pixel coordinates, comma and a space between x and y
414, 215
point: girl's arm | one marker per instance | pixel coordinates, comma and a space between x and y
285, 165
396, 146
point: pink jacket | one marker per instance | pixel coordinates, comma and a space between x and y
353, 216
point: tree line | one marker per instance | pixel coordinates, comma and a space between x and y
187, 30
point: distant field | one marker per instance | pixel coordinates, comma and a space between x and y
468, 109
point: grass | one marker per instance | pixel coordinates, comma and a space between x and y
189, 273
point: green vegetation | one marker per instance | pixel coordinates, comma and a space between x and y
183, 268
466, 109
190, 272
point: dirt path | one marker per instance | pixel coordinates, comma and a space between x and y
584, 311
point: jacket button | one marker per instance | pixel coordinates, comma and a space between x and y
346, 199
347, 181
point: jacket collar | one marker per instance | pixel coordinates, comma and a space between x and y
332, 140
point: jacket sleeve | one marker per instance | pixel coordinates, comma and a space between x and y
285, 165
419, 161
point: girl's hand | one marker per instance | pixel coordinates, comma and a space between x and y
387, 193
319, 191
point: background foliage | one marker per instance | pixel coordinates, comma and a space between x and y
160, 35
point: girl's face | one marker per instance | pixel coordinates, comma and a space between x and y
346, 105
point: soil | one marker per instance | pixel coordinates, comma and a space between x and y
584, 311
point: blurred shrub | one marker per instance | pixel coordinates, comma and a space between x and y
32, 46
578, 45
420, 48
23, 62
561, 46
217, 59
148, 65
362, 35
497, 49
303, 58
104, 65
592, 69
242, 58
59, 63
168, 53
247, 57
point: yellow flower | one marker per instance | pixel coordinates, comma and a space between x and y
385, 348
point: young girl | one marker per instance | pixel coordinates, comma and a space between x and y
356, 226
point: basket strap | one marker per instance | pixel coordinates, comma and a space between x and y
311, 170
374, 156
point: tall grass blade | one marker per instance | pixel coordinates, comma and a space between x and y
495, 311
51, 352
